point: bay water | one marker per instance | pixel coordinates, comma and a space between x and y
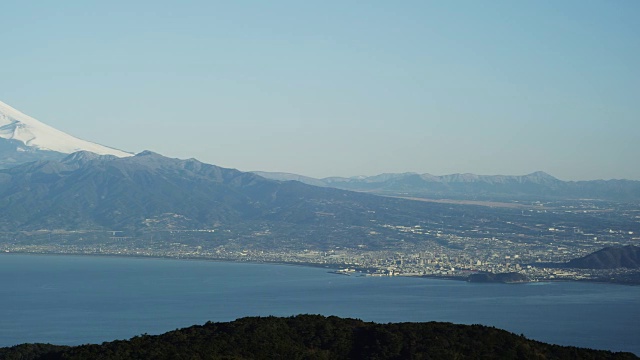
85, 299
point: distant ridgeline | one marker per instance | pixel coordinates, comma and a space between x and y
535, 186
317, 337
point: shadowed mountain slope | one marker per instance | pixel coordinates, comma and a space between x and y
609, 258
85, 190
89, 191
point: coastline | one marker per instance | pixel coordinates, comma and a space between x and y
421, 290
332, 268
177, 258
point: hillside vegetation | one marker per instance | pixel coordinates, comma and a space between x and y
317, 337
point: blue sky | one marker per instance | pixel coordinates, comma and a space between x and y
339, 88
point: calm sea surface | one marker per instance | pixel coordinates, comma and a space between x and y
74, 300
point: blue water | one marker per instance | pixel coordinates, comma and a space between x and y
74, 300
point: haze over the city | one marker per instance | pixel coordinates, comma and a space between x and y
339, 89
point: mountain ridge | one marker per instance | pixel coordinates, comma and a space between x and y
538, 185
537, 176
85, 190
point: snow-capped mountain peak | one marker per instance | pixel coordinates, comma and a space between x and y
35, 135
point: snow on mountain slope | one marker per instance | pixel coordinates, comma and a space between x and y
17, 126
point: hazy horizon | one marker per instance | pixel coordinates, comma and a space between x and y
340, 89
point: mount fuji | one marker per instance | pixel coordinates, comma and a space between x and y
24, 139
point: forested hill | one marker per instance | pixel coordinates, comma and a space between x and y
609, 258
317, 337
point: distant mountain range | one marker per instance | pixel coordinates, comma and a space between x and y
24, 139
535, 186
